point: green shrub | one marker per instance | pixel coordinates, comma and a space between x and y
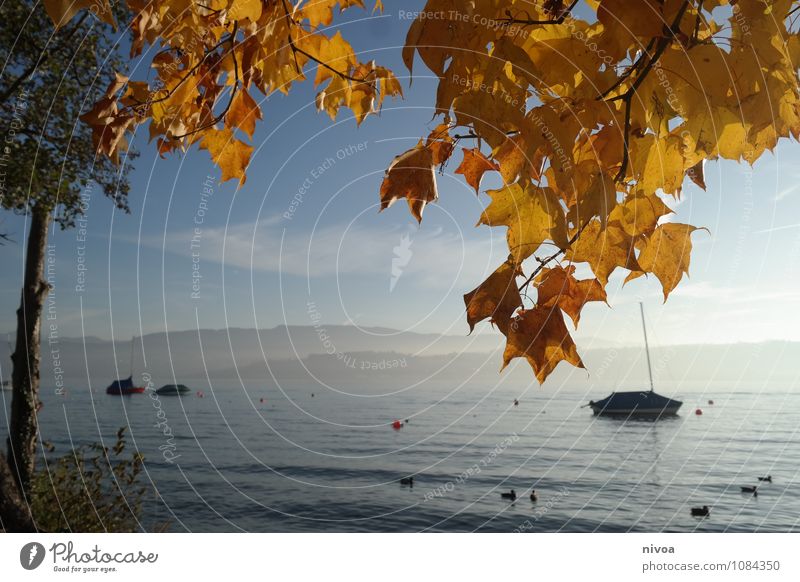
91, 489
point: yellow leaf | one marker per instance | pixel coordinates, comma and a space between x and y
241, 9
667, 253
230, 154
62, 11
658, 163
639, 213
517, 159
533, 215
604, 249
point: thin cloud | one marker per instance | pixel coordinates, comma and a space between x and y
785, 192
777, 228
438, 256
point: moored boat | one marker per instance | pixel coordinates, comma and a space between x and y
124, 387
173, 390
640, 403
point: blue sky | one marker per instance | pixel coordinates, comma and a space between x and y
260, 266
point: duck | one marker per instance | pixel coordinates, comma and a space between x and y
534, 497
753, 490
512, 495
767, 479
407, 481
700, 511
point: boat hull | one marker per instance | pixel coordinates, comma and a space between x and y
173, 390
124, 391
644, 404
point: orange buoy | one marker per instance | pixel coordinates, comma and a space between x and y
397, 425
698, 412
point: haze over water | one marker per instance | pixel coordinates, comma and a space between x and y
332, 462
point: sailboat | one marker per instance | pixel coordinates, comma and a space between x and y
125, 386
639, 404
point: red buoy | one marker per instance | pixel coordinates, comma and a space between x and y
397, 425
200, 394
698, 412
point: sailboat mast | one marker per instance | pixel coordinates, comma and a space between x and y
133, 340
646, 346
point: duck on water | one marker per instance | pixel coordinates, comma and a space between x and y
638, 404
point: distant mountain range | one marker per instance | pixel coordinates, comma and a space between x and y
381, 359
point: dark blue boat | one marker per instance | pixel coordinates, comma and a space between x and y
638, 404
123, 387
644, 404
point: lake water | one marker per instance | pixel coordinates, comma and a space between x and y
332, 462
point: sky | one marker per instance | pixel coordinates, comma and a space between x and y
303, 239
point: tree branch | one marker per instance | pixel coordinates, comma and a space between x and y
545, 261
662, 45
530, 22
26, 74
296, 50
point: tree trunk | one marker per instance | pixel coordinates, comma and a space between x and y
24, 429
14, 513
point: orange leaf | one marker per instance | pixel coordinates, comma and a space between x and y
474, 166
558, 288
497, 297
411, 175
540, 336
230, 154
243, 113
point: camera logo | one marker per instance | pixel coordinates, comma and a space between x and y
31, 555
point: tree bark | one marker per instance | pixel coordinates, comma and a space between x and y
24, 429
15, 515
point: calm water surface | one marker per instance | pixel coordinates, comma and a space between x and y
332, 462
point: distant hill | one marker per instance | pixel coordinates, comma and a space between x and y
379, 359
